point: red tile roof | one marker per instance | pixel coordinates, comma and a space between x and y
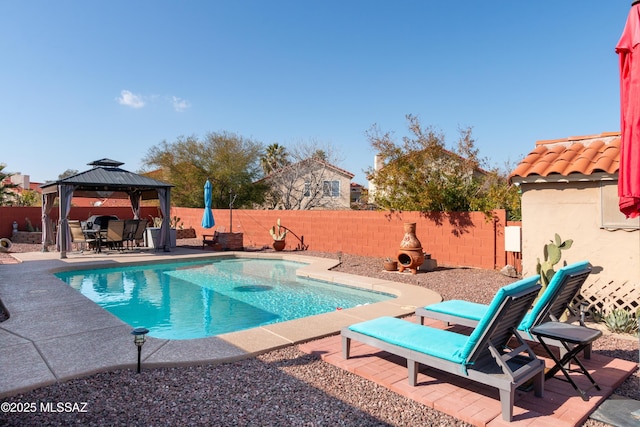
583, 155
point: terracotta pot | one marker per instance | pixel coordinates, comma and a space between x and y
410, 256
278, 245
410, 241
390, 265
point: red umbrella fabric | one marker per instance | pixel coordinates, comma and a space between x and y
628, 49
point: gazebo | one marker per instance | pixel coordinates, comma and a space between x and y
105, 179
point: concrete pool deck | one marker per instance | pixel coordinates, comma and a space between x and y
54, 333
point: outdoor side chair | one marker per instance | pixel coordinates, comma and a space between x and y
78, 236
130, 227
115, 234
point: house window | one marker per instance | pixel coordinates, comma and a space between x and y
331, 189
611, 215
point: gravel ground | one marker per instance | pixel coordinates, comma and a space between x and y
281, 387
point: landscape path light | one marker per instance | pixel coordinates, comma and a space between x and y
138, 340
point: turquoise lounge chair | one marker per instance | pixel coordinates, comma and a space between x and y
551, 305
482, 356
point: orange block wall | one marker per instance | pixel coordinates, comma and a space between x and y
455, 239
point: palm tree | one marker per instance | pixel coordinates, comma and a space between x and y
319, 155
275, 157
7, 193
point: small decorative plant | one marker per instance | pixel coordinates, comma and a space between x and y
552, 255
176, 222
156, 221
278, 232
621, 321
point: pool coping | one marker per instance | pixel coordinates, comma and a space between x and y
54, 333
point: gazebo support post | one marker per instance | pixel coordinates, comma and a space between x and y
62, 221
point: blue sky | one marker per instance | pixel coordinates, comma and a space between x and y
80, 81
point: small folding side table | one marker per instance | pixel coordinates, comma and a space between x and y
574, 338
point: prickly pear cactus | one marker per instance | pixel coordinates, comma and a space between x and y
552, 256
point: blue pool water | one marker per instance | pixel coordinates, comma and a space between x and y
199, 299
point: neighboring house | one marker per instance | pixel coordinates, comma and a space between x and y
23, 181
309, 184
569, 187
356, 192
360, 198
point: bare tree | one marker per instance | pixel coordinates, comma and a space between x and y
308, 181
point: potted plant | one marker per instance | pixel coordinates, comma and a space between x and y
390, 265
278, 233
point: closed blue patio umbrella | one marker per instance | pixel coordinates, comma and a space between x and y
207, 218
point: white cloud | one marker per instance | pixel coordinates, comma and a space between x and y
133, 100
180, 104
130, 99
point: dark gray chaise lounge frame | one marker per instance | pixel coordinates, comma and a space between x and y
492, 363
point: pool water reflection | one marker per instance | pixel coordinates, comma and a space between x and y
199, 299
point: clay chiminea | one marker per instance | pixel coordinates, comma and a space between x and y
410, 256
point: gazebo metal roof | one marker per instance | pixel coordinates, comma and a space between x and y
107, 179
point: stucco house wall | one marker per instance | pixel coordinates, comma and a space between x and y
574, 212
343, 201
569, 187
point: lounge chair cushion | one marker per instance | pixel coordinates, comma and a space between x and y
436, 342
459, 308
424, 339
473, 311
492, 309
549, 293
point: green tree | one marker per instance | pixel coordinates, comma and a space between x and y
228, 160
497, 193
28, 198
421, 174
68, 173
7, 188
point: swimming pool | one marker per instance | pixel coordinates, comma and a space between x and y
196, 299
